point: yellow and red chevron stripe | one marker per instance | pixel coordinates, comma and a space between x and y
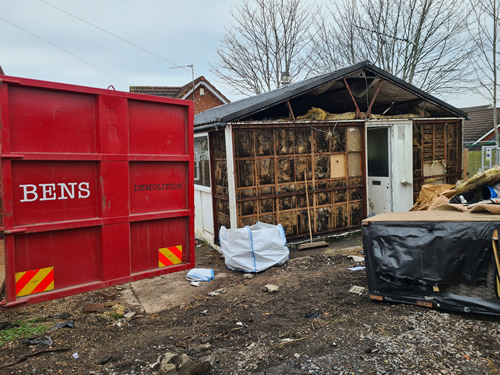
34, 281
168, 256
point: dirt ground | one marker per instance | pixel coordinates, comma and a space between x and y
311, 325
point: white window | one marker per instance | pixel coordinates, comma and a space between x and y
201, 161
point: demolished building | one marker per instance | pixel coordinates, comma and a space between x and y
362, 139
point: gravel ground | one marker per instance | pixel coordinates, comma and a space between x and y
311, 325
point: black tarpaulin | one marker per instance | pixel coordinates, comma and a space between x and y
443, 264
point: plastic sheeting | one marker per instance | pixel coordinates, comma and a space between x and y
255, 248
200, 274
417, 262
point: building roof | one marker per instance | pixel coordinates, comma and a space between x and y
479, 124
179, 92
165, 91
328, 92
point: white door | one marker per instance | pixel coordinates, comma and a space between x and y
379, 171
204, 221
402, 166
390, 167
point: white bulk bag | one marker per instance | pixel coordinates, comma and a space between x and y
255, 248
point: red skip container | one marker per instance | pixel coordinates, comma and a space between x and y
96, 188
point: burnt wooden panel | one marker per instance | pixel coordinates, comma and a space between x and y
437, 152
271, 161
220, 194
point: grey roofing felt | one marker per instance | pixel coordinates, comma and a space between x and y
246, 107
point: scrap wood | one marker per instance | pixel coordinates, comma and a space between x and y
288, 341
26, 356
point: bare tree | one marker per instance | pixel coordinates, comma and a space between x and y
424, 42
484, 30
268, 37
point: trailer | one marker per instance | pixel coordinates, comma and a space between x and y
96, 188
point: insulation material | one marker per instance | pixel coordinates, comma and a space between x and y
353, 139
265, 171
436, 152
444, 258
322, 170
264, 143
270, 166
435, 168
302, 141
489, 177
318, 114
246, 174
285, 139
286, 171
220, 181
354, 164
337, 140
244, 144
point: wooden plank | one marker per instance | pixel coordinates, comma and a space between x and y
313, 245
466, 164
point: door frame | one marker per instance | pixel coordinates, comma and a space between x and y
400, 142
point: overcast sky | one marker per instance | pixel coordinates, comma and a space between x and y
39, 41
180, 32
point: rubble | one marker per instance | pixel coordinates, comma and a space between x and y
196, 361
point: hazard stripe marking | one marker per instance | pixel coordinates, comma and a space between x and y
168, 256
163, 261
34, 281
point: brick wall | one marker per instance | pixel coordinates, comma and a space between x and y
207, 101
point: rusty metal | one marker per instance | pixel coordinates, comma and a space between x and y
423, 110
358, 112
369, 111
290, 109
425, 304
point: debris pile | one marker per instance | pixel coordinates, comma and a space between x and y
481, 193
196, 360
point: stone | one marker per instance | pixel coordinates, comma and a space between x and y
248, 276
270, 288
130, 314
203, 364
170, 357
167, 369
200, 351
186, 365
168, 365
108, 295
93, 307
207, 340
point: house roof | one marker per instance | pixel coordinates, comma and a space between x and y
328, 92
165, 91
479, 123
179, 92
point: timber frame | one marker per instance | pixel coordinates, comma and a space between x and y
264, 148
